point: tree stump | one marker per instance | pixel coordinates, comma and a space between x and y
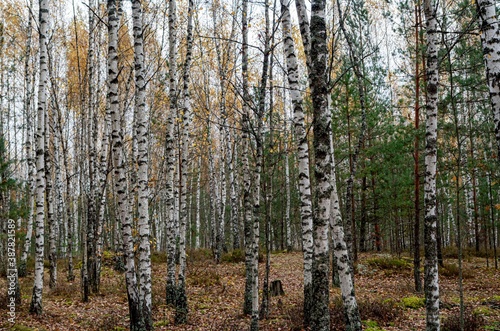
276, 288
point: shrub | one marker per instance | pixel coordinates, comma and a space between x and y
388, 263
472, 322
236, 256
108, 258
199, 255
159, 258
449, 252
380, 311
413, 302
64, 289
451, 270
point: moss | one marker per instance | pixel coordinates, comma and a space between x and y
18, 327
371, 326
161, 323
482, 311
413, 302
388, 263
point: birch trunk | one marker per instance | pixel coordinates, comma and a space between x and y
36, 299
170, 151
341, 254
92, 208
303, 158
431, 281
69, 210
198, 209
142, 134
119, 162
247, 181
181, 307
233, 194
29, 145
320, 315
53, 225
259, 146
288, 227
490, 40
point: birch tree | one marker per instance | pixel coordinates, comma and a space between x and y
181, 307
320, 315
29, 148
431, 281
342, 259
142, 133
250, 284
302, 156
53, 225
170, 151
36, 299
119, 163
490, 40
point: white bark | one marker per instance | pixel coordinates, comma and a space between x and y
490, 39
341, 252
302, 151
53, 224
142, 134
29, 146
181, 304
36, 300
170, 151
198, 209
119, 163
320, 316
431, 280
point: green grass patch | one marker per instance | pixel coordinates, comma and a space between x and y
413, 302
371, 326
388, 263
18, 327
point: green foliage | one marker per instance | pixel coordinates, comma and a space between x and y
18, 327
387, 262
15, 208
159, 324
492, 327
371, 326
413, 302
482, 311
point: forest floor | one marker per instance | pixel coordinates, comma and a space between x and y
384, 289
